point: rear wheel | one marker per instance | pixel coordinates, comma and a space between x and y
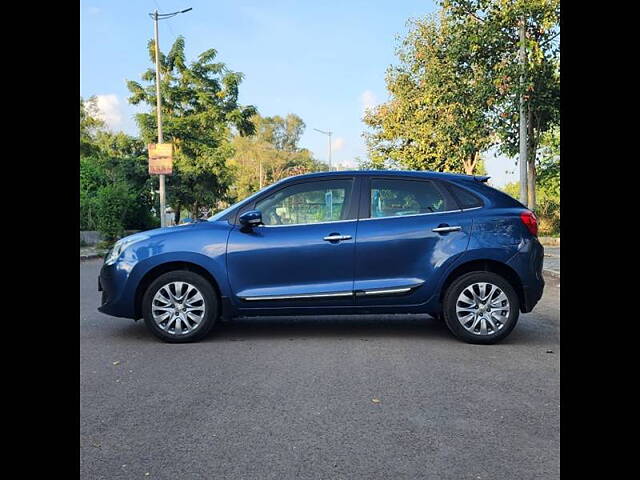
481, 307
180, 306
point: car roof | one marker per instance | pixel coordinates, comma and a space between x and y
385, 173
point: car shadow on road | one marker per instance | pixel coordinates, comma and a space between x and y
527, 332
343, 326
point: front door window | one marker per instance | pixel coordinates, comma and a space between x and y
305, 203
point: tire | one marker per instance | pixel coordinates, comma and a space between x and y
503, 315
180, 326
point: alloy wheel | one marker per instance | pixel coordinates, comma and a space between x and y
178, 308
482, 308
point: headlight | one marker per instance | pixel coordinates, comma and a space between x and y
120, 247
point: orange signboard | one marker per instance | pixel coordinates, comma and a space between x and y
160, 158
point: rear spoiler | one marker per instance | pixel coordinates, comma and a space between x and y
481, 178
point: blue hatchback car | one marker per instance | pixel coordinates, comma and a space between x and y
356, 242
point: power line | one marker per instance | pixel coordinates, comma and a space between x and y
165, 16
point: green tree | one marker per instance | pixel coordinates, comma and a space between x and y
90, 125
273, 152
113, 202
436, 117
90, 173
116, 161
376, 162
489, 34
124, 161
282, 132
548, 166
200, 112
548, 183
91, 178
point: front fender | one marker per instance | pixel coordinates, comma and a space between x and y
128, 277
201, 245
213, 265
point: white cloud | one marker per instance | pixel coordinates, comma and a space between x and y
337, 144
110, 110
368, 100
94, 10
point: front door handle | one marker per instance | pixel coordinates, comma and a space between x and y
336, 237
447, 228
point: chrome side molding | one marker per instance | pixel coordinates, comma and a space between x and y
385, 291
304, 296
300, 296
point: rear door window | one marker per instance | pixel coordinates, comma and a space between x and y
396, 198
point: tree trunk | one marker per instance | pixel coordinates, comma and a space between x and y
531, 182
531, 163
471, 164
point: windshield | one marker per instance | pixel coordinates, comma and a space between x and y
222, 213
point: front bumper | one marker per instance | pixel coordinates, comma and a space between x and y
114, 300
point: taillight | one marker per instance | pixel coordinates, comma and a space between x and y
530, 221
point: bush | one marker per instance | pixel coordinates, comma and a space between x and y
115, 159
547, 209
112, 204
86, 209
548, 213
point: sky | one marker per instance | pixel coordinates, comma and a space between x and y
324, 61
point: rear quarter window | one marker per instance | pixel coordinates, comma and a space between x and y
497, 197
465, 198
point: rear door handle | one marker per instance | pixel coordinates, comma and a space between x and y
334, 237
447, 228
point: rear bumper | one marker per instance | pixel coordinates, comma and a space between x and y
532, 295
528, 264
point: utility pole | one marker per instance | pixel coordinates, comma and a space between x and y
524, 194
163, 219
328, 133
160, 16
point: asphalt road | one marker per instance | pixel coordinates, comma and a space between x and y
552, 259
292, 398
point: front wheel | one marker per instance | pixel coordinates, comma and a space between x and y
481, 307
180, 306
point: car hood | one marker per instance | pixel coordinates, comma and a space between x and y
178, 229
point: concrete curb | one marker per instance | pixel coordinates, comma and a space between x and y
550, 241
84, 258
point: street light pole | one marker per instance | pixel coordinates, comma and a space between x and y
330, 151
160, 16
328, 133
163, 219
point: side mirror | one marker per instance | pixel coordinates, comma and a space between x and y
250, 219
